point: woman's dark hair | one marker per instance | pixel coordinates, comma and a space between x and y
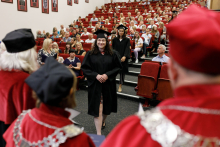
65, 51
95, 48
123, 36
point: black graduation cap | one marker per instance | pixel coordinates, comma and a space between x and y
51, 82
122, 27
174, 12
102, 34
19, 40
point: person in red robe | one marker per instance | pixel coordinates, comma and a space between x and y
192, 117
17, 61
54, 87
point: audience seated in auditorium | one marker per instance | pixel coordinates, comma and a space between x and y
132, 24
73, 42
151, 24
56, 47
141, 24
161, 57
67, 48
79, 49
62, 33
39, 35
66, 38
74, 24
94, 18
59, 59
78, 38
163, 36
45, 52
55, 35
156, 38
47, 35
90, 25
85, 33
147, 38
143, 30
90, 39
73, 62
138, 45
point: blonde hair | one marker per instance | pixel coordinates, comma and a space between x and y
140, 18
46, 44
79, 43
25, 60
57, 47
161, 24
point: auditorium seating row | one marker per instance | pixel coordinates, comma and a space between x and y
153, 81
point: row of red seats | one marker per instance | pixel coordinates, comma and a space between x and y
153, 79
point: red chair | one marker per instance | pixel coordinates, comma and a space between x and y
87, 45
64, 56
62, 49
36, 43
81, 76
40, 39
63, 44
84, 37
164, 90
89, 29
147, 80
38, 48
57, 39
41, 43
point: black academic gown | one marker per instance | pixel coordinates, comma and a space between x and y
123, 48
101, 64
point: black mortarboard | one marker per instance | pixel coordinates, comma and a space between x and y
19, 40
175, 12
51, 82
102, 34
71, 51
122, 27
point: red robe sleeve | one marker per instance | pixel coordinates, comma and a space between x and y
129, 133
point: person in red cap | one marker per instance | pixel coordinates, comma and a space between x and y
192, 117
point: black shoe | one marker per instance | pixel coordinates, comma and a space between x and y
103, 126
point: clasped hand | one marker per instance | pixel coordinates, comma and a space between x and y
102, 78
123, 59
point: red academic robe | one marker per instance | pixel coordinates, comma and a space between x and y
54, 116
15, 95
195, 110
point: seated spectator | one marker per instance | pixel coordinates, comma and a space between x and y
59, 59
78, 38
70, 28
56, 47
93, 31
73, 34
66, 38
62, 34
78, 31
132, 24
62, 28
131, 33
79, 19
138, 45
45, 52
90, 39
97, 27
112, 37
86, 19
145, 12
109, 18
102, 27
79, 49
85, 33
129, 15
102, 19
73, 63
96, 8
47, 35
156, 37
138, 14
109, 11
147, 38
122, 21
73, 42
55, 35
68, 48
123, 5
140, 18
161, 57
158, 20
151, 10
141, 24
151, 24
107, 22
163, 36
94, 18
143, 30
55, 29
133, 19
90, 25
74, 24
39, 35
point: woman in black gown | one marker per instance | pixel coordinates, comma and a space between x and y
101, 65
122, 45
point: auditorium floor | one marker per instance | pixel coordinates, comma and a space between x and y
125, 108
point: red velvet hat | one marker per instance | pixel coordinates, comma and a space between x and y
195, 39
